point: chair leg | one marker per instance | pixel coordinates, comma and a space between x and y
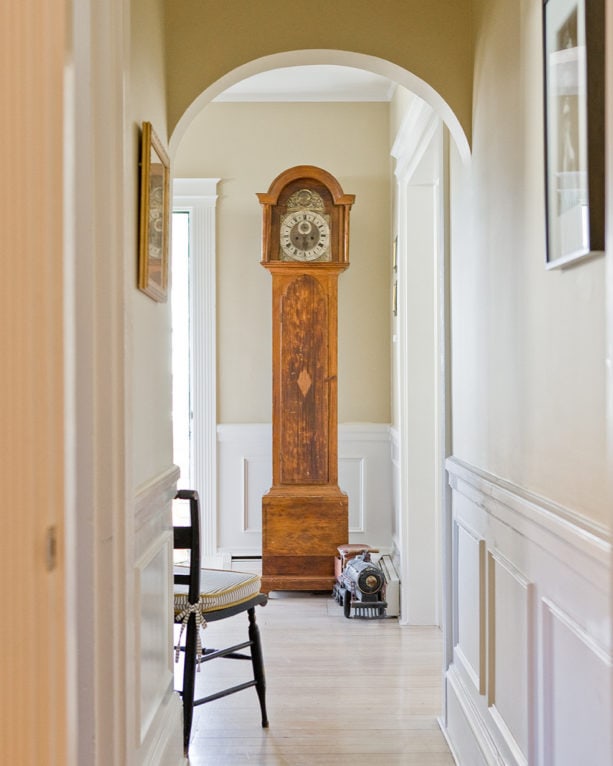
189, 680
258, 665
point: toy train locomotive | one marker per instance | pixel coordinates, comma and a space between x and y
360, 582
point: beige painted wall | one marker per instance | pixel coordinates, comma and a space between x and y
528, 344
247, 145
150, 374
206, 39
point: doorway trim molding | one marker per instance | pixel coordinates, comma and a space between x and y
198, 197
421, 128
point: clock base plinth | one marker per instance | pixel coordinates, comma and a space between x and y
291, 583
301, 529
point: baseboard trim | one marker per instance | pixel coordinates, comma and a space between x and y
450, 745
476, 727
166, 746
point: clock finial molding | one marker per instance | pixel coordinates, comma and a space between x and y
305, 246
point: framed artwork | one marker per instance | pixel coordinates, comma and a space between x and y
154, 221
574, 129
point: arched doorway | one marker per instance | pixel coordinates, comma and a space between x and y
420, 529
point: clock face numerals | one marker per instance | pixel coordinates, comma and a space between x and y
305, 236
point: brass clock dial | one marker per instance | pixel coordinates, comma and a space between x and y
305, 236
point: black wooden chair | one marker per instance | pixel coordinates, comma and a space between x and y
206, 595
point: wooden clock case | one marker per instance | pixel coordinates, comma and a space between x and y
305, 514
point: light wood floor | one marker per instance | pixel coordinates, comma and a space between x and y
339, 692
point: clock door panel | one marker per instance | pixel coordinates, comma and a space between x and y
304, 383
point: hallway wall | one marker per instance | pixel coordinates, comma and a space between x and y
151, 401
528, 344
154, 711
530, 617
246, 146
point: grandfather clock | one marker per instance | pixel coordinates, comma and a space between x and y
305, 247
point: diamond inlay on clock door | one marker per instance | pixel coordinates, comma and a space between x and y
304, 382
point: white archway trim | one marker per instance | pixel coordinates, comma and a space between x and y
325, 56
198, 197
413, 139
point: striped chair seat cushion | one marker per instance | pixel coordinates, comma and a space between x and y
219, 588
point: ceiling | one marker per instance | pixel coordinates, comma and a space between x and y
312, 83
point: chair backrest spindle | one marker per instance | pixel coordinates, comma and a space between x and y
189, 538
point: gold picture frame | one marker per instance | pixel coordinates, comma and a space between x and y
154, 223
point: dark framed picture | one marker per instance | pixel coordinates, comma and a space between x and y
154, 216
573, 32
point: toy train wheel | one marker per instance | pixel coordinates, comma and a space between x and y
347, 603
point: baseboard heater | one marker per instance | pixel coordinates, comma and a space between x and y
392, 585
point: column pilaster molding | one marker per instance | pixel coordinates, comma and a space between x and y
198, 197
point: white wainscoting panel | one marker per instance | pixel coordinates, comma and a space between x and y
351, 481
510, 637
154, 636
530, 680
244, 454
365, 474
256, 482
573, 702
244, 465
470, 642
158, 736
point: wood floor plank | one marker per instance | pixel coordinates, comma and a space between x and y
339, 692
